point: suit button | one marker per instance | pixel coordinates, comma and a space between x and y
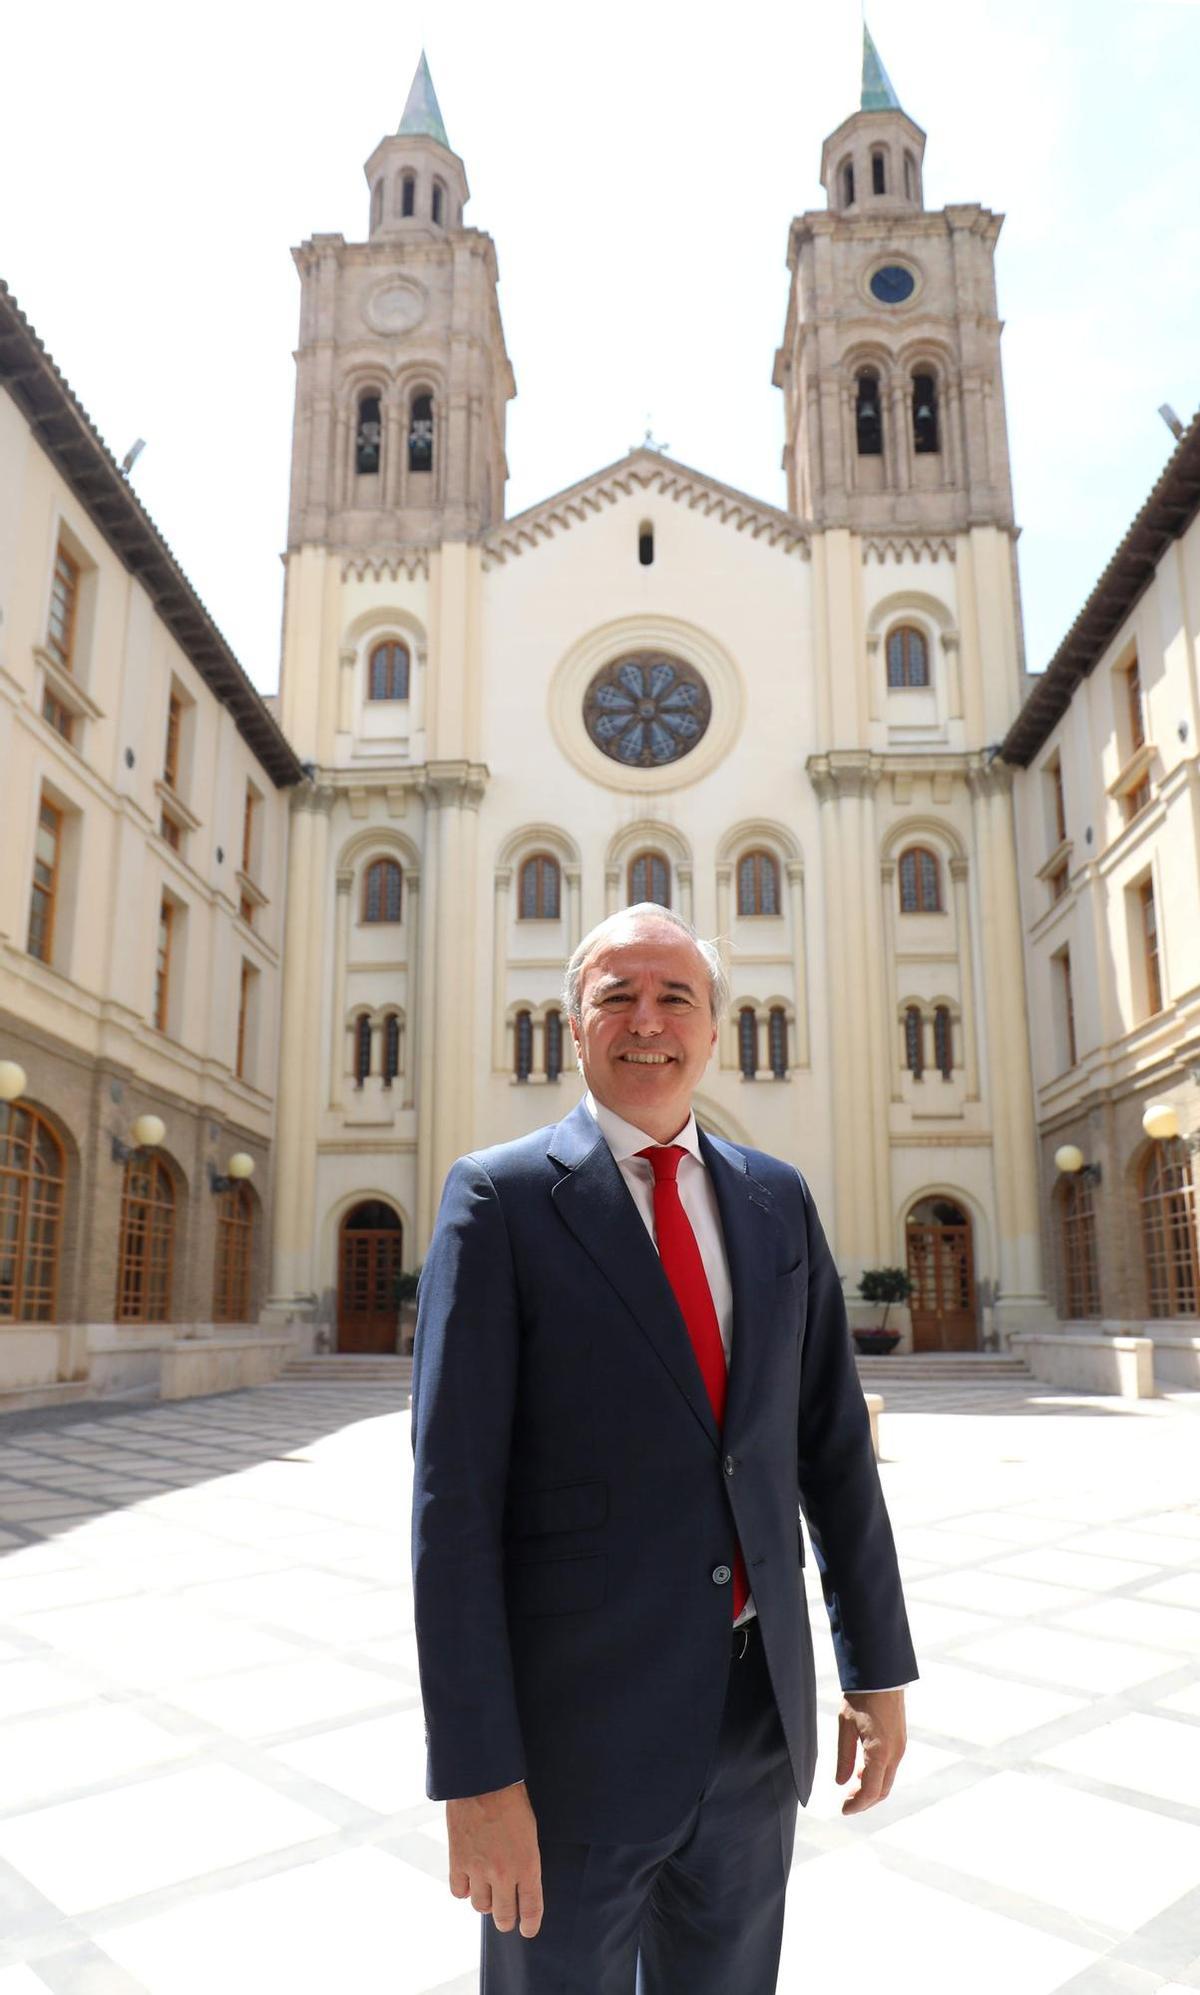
721, 1575
730, 1465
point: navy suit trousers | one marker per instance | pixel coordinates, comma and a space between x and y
700, 1912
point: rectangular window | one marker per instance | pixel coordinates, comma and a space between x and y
171, 750
47, 855
1137, 715
249, 839
1136, 799
1058, 882
247, 1008
1066, 1007
64, 608
60, 717
171, 831
1059, 802
246, 910
1154, 990
162, 966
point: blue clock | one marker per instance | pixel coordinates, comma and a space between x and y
893, 284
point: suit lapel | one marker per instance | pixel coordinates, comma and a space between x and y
745, 1207
595, 1204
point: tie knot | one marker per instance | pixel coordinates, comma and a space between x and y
663, 1159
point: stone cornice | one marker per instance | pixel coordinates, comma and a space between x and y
645, 471
897, 545
379, 565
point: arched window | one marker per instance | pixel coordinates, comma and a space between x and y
649, 879
420, 433
376, 204
914, 1036
1081, 1278
920, 881
758, 883
748, 1041
391, 1048
907, 656
437, 206
362, 1049
867, 418
32, 1185
523, 1038
777, 1041
910, 178
925, 414
1169, 1231
878, 173
382, 884
538, 892
554, 1045
387, 672
848, 183
368, 438
146, 1247
646, 544
943, 1042
235, 1255
408, 194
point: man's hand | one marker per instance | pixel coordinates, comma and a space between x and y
874, 1719
494, 1857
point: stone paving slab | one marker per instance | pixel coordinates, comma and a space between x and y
212, 1748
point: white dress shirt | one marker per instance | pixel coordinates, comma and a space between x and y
699, 1201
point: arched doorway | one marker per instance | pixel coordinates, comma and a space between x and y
370, 1257
941, 1266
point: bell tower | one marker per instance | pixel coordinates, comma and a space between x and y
890, 362
402, 375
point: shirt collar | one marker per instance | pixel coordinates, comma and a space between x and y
624, 1140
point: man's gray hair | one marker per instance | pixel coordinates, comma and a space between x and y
718, 982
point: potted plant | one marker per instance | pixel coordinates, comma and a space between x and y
405, 1296
885, 1285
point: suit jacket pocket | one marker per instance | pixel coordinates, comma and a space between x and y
557, 1585
572, 1506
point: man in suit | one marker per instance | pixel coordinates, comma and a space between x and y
632, 1372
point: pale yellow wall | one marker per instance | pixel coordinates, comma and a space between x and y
98, 993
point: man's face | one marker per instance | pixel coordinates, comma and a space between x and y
646, 1032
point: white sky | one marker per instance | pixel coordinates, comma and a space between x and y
637, 165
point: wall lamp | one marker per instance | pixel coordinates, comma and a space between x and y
1068, 1158
1160, 1120
239, 1167
148, 1132
12, 1081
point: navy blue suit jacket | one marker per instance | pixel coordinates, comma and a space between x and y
573, 1496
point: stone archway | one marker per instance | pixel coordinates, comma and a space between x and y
370, 1257
941, 1263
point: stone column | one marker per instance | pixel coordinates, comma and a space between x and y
305, 944
612, 889
337, 1021
393, 444
966, 971
412, 959
901, 431
1014, 1141
425, 1036
574, 909
346, 664
686, 898
888, 931
726, 1036
795, 875
500, 892
954, 699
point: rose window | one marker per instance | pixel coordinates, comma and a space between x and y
646, 710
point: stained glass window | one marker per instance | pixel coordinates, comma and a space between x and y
748, 1042
387, 678
907, 657
649, 879
757, 883
382, 890
920, 882
647, 710
538, 893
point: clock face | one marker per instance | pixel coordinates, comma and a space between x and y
893, 284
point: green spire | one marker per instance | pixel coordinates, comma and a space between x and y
422, 113
878, 93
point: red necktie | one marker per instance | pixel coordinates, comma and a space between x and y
684, 1269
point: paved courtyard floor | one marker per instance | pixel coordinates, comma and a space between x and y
211, 1744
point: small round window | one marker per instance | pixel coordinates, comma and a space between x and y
646, 709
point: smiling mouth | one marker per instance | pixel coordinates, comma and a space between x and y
648, 1059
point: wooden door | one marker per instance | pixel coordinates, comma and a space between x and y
370, 1257
941, 1264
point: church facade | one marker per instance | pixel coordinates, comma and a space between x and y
782, 722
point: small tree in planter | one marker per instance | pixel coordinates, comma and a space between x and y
885, 1285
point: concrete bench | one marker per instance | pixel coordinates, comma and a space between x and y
1177, 1359
1088, 1362
874, 1408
